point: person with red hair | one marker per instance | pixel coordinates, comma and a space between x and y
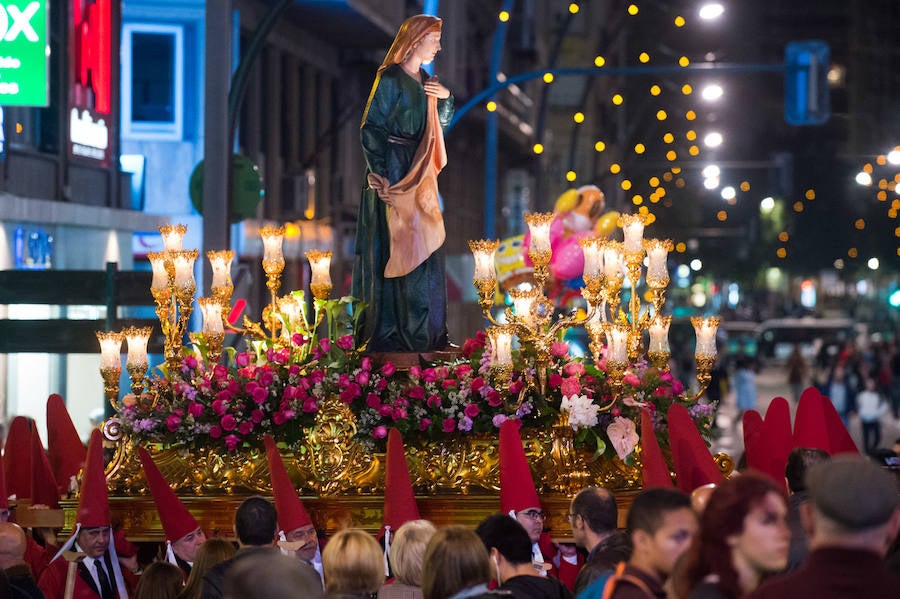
744, 537
398, 269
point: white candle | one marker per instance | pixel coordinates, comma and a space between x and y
633, 227
212, 316
160, 276
272, 238
523, 301
173, 235
221, 267
659, 334
618, 343
137, 338
539, 226
320, 264
612, 262
504, 348
657, 254
110, 346
593, 256
705, 329
184, 268
484, 251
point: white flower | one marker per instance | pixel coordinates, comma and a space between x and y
581, 409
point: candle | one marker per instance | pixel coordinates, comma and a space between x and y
211, 309
173, 235
523, 301
504, 348
633, 227
272, 238
617, 336
137, 338
484, 251
221, 267
539, 226
657, 252
184, 268
659, 334
320, 263
290, 307
110, 346
612, 262
160, 276
705, 329
593, 256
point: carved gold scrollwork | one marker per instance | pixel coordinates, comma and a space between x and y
333, 459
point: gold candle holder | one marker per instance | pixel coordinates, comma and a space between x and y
485, 277
213, 328
320, 281
173, 236
111, 364
539, 250
273, 265
136, 364
222, 286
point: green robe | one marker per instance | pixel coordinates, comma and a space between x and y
409, 313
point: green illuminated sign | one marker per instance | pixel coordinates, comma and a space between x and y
24, 53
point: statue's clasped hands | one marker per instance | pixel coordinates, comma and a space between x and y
433, 87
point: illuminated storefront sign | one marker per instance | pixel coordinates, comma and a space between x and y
91, 114
24, 53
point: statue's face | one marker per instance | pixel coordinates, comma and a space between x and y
428, 47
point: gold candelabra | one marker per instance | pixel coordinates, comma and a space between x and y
617, 332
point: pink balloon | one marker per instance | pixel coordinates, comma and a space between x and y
568, 260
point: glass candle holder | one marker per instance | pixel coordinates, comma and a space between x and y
173, 236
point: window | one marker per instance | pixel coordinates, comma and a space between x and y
152, 81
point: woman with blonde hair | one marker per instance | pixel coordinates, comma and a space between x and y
407, 553
211, 552
353, 565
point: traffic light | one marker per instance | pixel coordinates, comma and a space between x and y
806, 93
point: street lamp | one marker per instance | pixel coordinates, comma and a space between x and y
864, 178
713, 139
712, 92
711, 11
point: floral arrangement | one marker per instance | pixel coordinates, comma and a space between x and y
278, 388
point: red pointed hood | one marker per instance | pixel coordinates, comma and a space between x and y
694, 465
810, 428
93, 501
653, 465
517, 491
838, 436
399, 500
176, 520
291, 513
17, 458
769, 453
67, 452
752, 425
43, 485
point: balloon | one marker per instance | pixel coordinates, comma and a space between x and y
606, 224
566, 201
568, 260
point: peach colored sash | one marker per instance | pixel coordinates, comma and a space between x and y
414, 215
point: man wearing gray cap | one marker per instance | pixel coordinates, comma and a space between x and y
853, 516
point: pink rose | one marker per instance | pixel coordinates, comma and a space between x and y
494, 399
260, 394
515, 387
266, 378
195, 409
416, 393
449, 425
242, 359
219, 407
554, 381
220, 371
245, 427
345, 342
471, 410
366, 364
190, 362
385, 411
231, 442
172, 423
215, 431
278, 418
350, 393
379, 432
462, 370
388, 369
415, 372
228, 422
446, 384
298, 339
632, 380
559, 349
363, 377
424, 424
398, 414
310, 405
574, 369
373, 401
429, 375
570, 386
477, 383
433, 401
256, 416
677, 387
325, 345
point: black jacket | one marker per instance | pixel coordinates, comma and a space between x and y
535, 587
603, 559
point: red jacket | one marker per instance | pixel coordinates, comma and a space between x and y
53, 581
